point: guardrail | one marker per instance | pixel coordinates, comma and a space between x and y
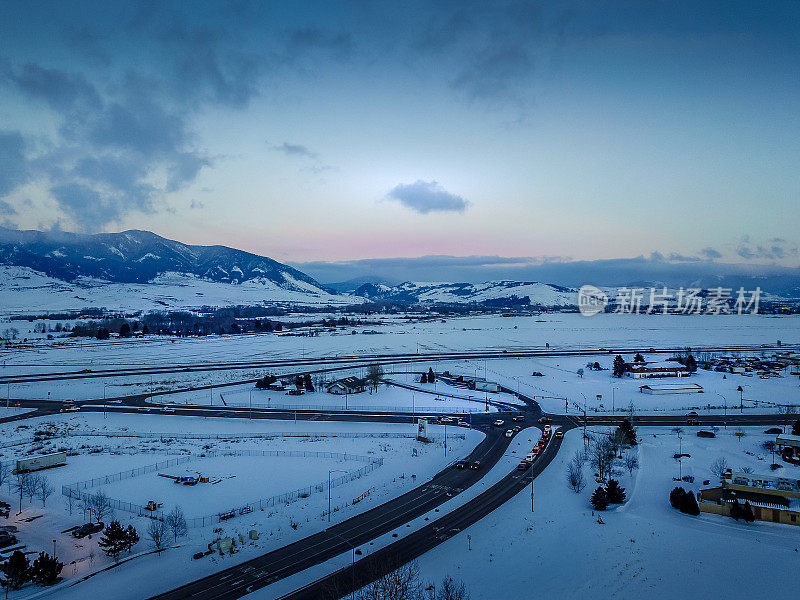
74, 490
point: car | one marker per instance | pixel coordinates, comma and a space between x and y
87, 529
461, 464
499, 423
524, 464
72, 408
518, 418
516, 429
446, 419
7, 539
559, 434
691, 413
545, 420
145, 408
692, 422
475, 465
168, 409
461, 423
510, 433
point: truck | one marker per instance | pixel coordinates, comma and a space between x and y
37, 463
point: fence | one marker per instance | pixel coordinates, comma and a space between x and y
252, 436
340, 407
73, 491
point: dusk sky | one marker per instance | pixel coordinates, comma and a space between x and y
348, 130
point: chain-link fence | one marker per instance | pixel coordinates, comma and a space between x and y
75, 491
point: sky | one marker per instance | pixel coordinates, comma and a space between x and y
319, 132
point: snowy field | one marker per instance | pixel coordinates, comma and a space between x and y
407, 463
645, 548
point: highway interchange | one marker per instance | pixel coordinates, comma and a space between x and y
357, 533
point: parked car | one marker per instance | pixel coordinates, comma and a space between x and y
499, 423
87, 529
7, 539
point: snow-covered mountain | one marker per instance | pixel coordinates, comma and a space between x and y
139, 257
496, 293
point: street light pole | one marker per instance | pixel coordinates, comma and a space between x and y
251, 404
353, 564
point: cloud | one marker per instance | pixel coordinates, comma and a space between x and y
427, 196
296, 150
676, 257
710, 253
13, 164
494, 73
302, 41
62, 91
6, 209
778, 249
197, 204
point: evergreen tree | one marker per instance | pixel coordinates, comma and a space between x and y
46, 569
689, 505
676, 497
114, 540
691, 364
424, 378
307, 381
628, 432
431, 376
125, 331
619, 366
614, 492
145, 330
16, 571
131, 537
599, 499
747, 512
796, 427
638, 358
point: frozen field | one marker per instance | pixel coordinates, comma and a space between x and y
645, 548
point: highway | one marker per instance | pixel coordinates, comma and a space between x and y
357, 361
358, 531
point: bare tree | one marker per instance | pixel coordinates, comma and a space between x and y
5, 471
450, 590
719, 466
399, 584
176, 522
601, 455
21, 483
99, 504
575, 477
157, 533
44, 489
374, 374
631, 462
32, 486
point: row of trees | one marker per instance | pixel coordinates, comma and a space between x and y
684, 501
30, 485
613, 493
619, 366
428, 377
18, 570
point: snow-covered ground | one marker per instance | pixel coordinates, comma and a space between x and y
645, 548
406, 463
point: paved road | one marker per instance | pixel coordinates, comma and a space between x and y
362, 360
254, 574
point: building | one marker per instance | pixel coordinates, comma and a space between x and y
789, 447
348, 385
643, 372
671, 388
772, 498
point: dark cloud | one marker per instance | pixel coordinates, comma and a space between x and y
13, 164
296, 150
427, 196
710, 253
62, 91
86, 206
778, 249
